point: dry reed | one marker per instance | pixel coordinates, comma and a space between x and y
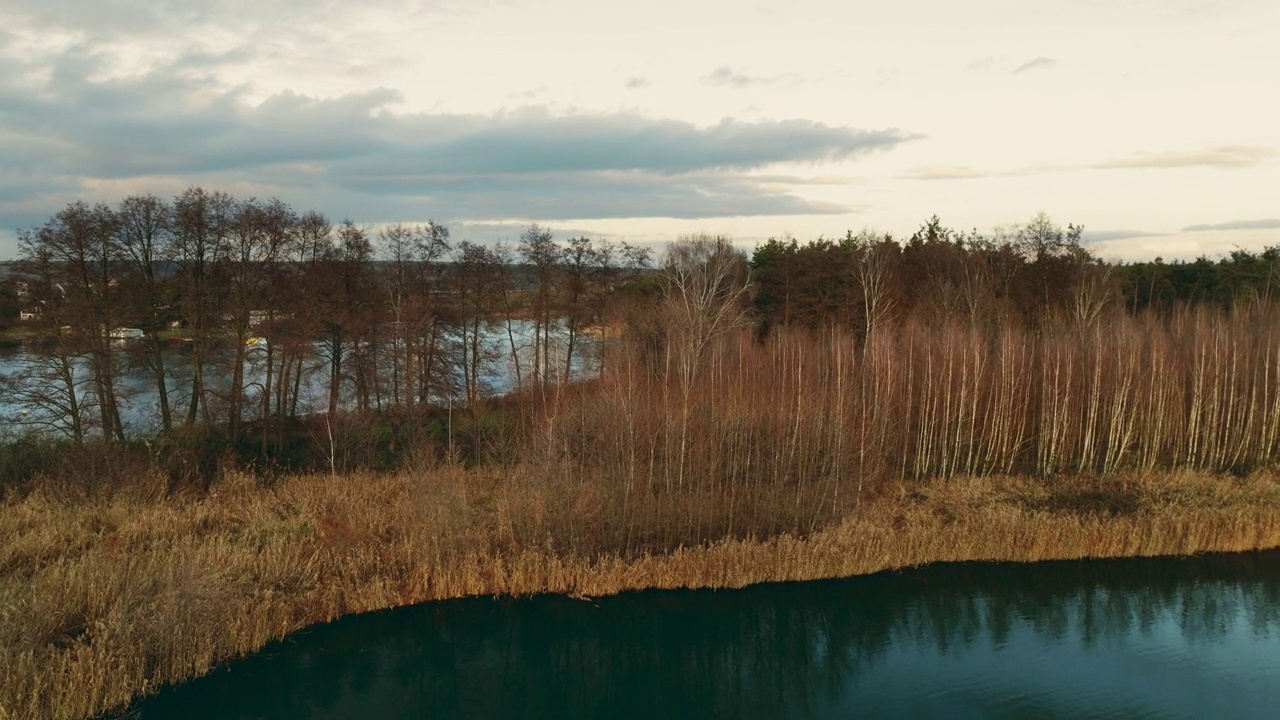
103, 602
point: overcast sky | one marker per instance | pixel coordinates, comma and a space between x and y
1154, 123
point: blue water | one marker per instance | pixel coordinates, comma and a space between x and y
1155, 638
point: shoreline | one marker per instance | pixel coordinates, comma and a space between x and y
151, 592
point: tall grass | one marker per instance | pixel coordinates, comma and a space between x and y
101, 602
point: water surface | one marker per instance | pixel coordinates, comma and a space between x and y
1154, 638
139, 401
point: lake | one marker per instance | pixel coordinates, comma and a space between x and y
1160, 638
139, 401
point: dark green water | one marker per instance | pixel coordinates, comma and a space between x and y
1194, 638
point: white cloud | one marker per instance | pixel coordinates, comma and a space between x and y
1223, 156
1265, 224
1040, 63
1226, 157
725, 76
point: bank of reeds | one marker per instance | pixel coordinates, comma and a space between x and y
101, 602
805, 455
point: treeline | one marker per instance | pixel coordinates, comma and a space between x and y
399, 318
744, 394
1025, 275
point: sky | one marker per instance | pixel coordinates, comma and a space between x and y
1152, 123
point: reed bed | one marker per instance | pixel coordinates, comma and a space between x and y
102, 602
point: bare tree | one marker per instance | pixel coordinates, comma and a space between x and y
300, 293
145, 224
413, 255
977, 280
279, 233
477, 285
395, 246
1053, 253
516, 345
706, 283
1091, 294
581, 267
80, 250
50, 390
589, 273
344, 295
538, 248
201, 222
242, 260
875, 269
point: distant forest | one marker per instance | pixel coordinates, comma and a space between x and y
1028, 273
1027, 270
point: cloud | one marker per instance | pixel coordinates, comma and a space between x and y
1104, 236
72, 132
589, 196
956, 172
794, 180
1264, 224
1223, 156
725, 76
160, 123
533, 140
510, 231
1001, 63
1040, 63
637, 81
114, 19
985, 63
530, 94
305, 39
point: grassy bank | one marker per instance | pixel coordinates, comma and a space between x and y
104, 599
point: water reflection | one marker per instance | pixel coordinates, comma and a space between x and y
1140, 638
22, 367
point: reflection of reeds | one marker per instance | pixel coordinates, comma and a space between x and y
762, 652
103, 601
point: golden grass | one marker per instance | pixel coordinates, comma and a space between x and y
103, 601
